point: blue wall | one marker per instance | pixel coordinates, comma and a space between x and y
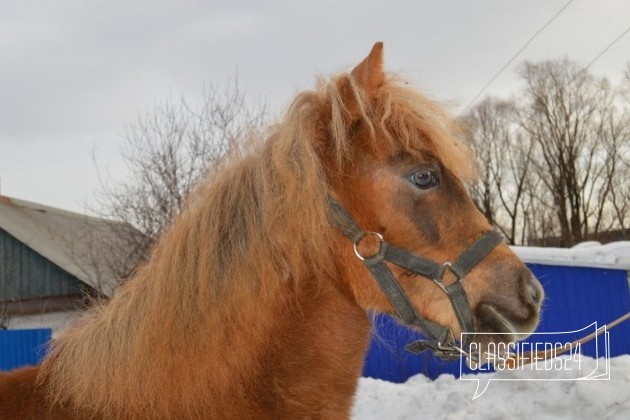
22, 347
575, 297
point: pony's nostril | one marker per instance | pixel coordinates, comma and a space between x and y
534, 291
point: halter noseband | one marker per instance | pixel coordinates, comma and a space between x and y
443, 343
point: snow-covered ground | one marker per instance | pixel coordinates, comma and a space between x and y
450, 398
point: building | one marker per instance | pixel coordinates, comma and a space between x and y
53, 261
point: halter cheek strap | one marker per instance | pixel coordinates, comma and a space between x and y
443, 343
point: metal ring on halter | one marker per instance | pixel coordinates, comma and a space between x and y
449, 266
380, 245
446, 266
438, 280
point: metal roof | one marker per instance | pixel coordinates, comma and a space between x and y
86, 247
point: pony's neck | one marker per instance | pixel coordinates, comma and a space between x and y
298, 355
308, 363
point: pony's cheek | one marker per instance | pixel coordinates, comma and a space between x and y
365, 291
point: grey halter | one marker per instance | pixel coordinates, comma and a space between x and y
442, 342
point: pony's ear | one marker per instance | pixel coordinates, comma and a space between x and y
369, 72
368, 75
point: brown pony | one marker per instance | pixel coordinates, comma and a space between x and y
254, 305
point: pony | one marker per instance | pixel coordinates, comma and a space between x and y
253, 304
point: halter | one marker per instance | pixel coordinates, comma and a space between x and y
443, 343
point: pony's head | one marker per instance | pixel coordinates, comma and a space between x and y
393, 161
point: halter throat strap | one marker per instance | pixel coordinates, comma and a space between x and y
442, 342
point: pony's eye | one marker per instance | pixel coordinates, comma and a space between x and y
425, 179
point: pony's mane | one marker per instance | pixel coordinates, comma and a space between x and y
251, 234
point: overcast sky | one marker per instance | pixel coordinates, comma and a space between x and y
73, 73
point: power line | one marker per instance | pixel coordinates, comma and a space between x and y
597, 57
613, 42
529, 41
601, 53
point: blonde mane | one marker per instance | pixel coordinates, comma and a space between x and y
252, 234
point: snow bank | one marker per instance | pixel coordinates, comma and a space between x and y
449, 398
615, 255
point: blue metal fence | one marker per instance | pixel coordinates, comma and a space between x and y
575, 298
23, 347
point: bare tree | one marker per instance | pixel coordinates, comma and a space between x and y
619, 150
554, 165
570, 117
625, 84
483, 129
504, 158
167, 151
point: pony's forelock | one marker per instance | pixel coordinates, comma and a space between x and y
401, 119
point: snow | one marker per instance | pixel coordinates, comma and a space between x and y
548, 397
615, 255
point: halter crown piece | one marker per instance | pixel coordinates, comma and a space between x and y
442, 342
